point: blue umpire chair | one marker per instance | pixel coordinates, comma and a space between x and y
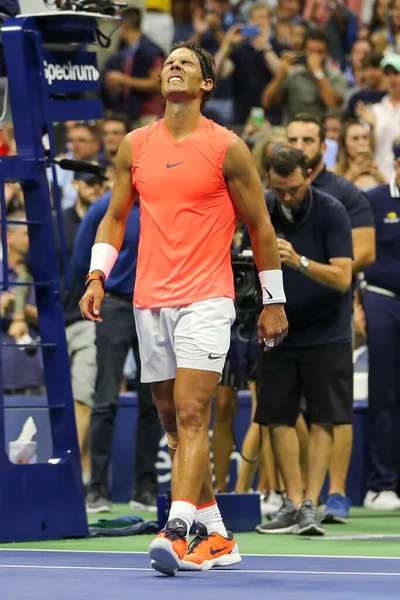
49, 72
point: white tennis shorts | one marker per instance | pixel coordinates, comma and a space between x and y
196, 336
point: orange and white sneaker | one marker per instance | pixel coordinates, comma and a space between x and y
210, 550
169, 547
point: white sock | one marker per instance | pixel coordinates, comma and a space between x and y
184, 510
209, 515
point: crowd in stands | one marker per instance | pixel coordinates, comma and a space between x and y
322, 76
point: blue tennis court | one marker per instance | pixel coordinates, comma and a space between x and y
58, 575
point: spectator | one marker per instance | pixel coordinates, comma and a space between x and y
333, 123
256, 127
130, 79
378, 21
315, 244
23, 372
386, 36
210, 24
287, 14
307, 134
313, 87
182, 12
115, 128
384, 115
319, 13
264, 147
372, 89
382, 310
252, 62
84, 145
356, 158
354, 70
297, 36
80, 334
114, 336
341, 30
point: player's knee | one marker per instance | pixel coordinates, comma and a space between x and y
193, 414
172, 439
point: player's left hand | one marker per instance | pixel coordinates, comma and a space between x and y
289, 257
272, 326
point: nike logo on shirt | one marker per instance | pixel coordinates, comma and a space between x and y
170, 165
214, 356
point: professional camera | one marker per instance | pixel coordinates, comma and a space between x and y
247, 288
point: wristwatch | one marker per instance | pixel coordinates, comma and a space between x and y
94, 277
303, 264
319, 74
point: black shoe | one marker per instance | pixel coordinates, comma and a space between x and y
97, 501
146, 500
284, 522
308, 521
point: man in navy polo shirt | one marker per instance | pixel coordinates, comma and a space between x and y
114, 336
315, 244
382, 310
307, 133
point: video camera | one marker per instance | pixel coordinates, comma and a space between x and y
247, 288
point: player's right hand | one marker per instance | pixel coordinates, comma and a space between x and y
90, 303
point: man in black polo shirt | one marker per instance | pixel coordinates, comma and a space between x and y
307, 133
314, 239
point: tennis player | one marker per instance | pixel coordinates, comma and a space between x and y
193, 177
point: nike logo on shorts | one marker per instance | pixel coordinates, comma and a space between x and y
170, 165
217, 550
214, 356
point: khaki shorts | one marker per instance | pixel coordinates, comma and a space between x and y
81, 339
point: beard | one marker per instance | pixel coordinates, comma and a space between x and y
315, 160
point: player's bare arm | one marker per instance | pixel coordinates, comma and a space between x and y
245, 189
110, 233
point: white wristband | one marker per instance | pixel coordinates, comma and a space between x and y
103, 258
272, 287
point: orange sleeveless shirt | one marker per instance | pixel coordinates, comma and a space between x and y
187, 218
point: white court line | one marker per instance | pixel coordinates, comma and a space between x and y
268, 571
133, 553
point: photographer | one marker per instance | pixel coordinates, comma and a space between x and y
239, 365
311, 86
315, 243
